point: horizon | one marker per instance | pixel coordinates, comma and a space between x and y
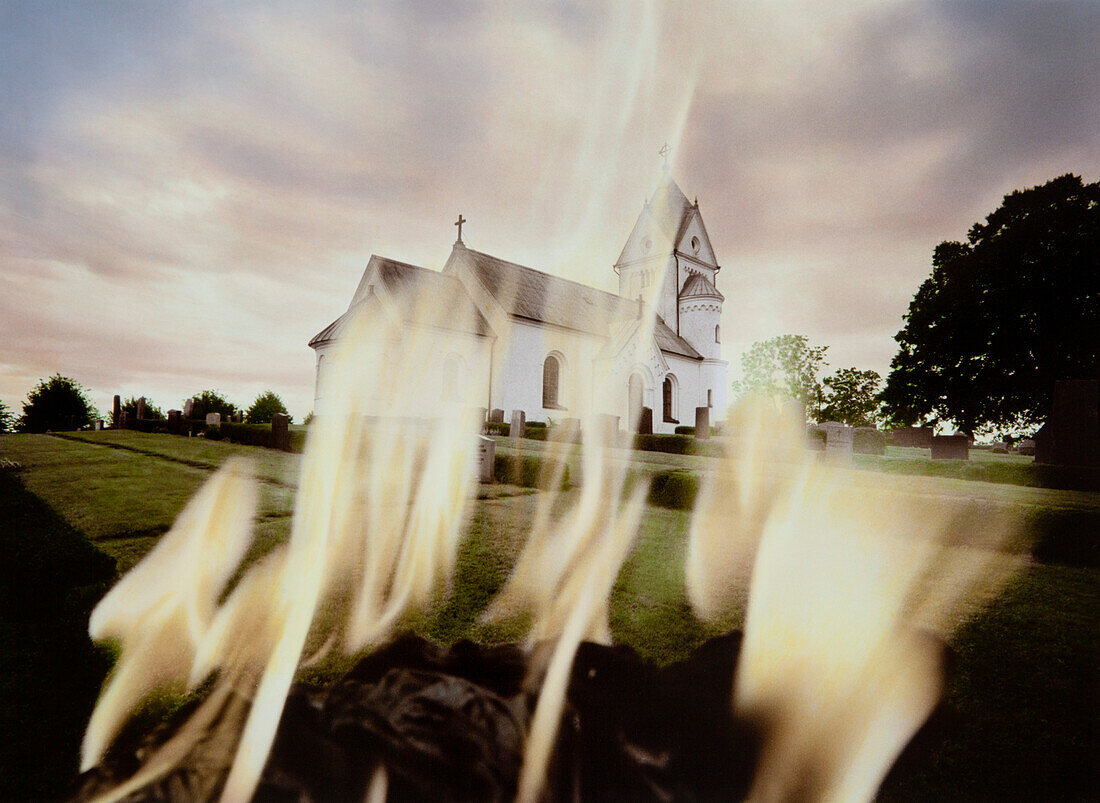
192, 193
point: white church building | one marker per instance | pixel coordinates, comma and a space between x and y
547, 346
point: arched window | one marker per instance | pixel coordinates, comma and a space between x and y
666, 397
710, 398
551, 381
717, 333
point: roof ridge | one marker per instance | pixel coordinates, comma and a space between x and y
589, 287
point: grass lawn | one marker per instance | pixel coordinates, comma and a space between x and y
1019, 719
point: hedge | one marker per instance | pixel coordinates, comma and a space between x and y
525, 471
673, 489
685, 430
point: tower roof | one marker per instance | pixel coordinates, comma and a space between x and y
697, 286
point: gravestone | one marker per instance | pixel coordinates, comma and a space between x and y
214, 420
123, 419
484, 415
188, 408
496, 416
607, 429
920, 437
174, 421
868, 440
569, 431
951, 447
702, 423
1071, 434
141, 409
98, 425
518, 426
239, 417
280, 431
645, 421
117, 419
1026, 447
839, 440
1000, 447
486, 458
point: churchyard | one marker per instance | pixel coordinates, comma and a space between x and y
1019, 715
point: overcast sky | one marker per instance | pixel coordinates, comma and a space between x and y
190, 191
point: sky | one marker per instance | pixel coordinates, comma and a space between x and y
190, 191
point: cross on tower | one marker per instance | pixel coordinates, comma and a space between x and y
459, 223
665, 151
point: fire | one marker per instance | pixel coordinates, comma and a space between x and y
847, 576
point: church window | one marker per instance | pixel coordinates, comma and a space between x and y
710, 399
551, 382
717, 334
695, 244
667, 391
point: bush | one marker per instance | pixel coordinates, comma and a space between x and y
210, 401
267, 404
537, 434
57, 404
674, 489
536, 425
525, 471
669, 444
146, 425
130, 405
685, 430
497, 429
247, 434
213, 434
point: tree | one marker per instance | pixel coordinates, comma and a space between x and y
265, 406
130, 405
851, 397
786, 365
211, 401
57, 403
1004, 314
7, 418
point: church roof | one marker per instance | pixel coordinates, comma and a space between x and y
667, 211
401, 281
698, 286
668, 340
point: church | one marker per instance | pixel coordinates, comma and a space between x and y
515, 338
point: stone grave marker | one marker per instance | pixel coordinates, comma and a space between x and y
1026, 447
702, 423
607, 427
518, 426
839, 440
486, 458
484, 415
951, 447
496, 416
569, 431
920, 437
117, 419
645, 421
123, 419
868, 440
280, 431
141, 409
98, 425
188, 408
213, 420
174, 421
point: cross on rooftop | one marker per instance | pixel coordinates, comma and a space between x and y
459, 223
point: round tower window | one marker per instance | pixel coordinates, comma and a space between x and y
647, 244
695, 244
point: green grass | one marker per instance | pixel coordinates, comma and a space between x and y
1023, 691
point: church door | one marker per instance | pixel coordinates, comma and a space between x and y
634, 400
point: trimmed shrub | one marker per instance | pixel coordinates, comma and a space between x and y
213, 434
247, 434
147, 425
497, 429
536, 425
669, 444
525, 471
674, 489
297, 440
537, 434
685, 430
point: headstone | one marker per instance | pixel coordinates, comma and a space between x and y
645, 421
702, 423
486, 458
280, 431
1000, 447
607, 429
1071, 434
98, 424
174, 421
868, 440
141, 409
213, 419
188, 408
496, 416
517, 428
1026, 447
951, 447
839, 440
117, 419
484, 411
569, 431
920, 437
239, 417
123, 419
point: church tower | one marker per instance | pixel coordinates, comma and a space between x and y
668, 261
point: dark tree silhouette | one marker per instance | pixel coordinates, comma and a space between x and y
58, 404
1004, 314
265, 406
851, 397
210, 401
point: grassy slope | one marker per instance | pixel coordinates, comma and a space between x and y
1024, 698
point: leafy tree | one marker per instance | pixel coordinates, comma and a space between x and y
264, 408
786, 365
210, 401
7, 418
57, 403
130, 405
1004, 314
851, 397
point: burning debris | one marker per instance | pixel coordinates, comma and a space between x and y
851, 582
